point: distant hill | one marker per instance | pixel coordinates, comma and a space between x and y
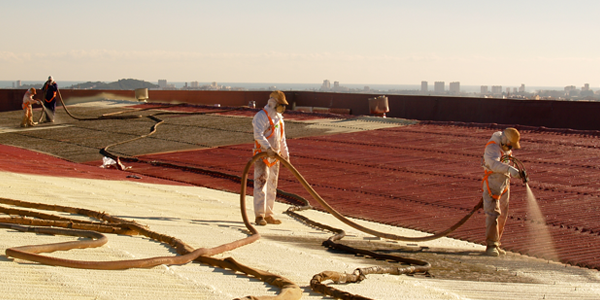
121, 84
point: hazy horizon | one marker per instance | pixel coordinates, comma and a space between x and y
296, 86
509, 43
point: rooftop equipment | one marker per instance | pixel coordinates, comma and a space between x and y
141, 94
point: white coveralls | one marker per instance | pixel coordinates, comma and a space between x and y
496, 189
27, 110
269, 132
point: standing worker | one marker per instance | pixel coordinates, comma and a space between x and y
27, 110
496, 185
269, 136
50, 89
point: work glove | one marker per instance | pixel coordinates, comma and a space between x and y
514, 173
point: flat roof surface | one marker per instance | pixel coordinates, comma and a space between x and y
386, 175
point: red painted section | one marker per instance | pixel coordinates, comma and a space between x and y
17, 160
427, 177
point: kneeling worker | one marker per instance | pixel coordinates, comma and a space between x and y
269, 136
496, 185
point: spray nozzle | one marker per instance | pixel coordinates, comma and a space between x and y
524, 176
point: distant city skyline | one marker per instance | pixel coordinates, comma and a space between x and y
438, 87
539, 43
414, 86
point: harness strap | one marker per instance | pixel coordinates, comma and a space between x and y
270, 122
486, 182
257, 145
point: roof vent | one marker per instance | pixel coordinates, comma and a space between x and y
141, 94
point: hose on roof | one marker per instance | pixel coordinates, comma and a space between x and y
289, 290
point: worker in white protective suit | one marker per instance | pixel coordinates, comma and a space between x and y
496, 185
28, 100
269, 136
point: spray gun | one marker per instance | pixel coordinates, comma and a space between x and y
519, 165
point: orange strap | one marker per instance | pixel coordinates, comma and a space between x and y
485, 180
270, 122
51, 98
257, 145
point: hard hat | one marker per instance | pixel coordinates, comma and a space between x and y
513, 135
50, 78
32, 91
279, 96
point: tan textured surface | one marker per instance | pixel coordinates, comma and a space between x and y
204, 217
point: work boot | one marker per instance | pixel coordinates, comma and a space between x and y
272, 220
500, 251
492, 251
260, 221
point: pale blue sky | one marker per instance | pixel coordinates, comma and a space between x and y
538, 43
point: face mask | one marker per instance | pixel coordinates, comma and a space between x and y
280, 108
506, 147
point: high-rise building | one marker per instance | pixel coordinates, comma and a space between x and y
424, 88
162, 83
336, 86
586, 87
326, 85
194, 84
496, 89
18, 83
454, 88
484, 89
439, 87
571, 90
522, 88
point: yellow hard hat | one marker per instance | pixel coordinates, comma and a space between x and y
513, 135
279, 96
